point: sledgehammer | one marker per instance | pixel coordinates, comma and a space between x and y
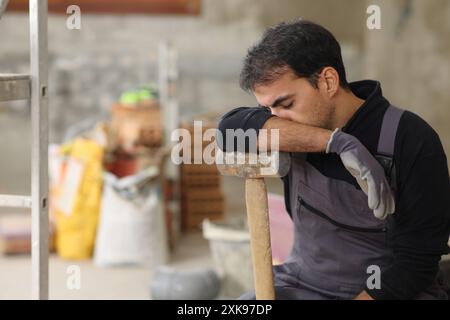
254, 168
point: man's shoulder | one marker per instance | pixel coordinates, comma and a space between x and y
417, 137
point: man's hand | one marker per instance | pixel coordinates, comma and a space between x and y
368, 172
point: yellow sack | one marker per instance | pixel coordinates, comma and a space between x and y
77, 199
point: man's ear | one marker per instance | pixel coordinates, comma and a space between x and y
330, 79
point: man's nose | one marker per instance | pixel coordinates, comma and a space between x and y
278, 112
275, 112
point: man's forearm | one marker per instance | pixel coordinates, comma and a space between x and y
295, 137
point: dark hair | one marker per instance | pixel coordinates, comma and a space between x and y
303, 46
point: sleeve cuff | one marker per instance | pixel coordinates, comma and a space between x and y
256, 119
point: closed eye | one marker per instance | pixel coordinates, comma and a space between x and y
287, 106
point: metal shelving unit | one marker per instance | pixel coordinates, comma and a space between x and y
34, 88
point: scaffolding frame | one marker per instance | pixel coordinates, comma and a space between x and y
34, 88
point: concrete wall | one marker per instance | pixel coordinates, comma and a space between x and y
411, 57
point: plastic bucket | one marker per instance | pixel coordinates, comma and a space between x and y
230, 247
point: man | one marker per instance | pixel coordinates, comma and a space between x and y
346, 223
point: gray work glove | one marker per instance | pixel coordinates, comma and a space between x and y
368, 172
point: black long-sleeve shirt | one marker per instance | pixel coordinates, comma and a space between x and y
422, 216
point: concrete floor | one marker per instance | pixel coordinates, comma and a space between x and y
98, 283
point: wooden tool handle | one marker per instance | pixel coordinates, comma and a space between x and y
258, 221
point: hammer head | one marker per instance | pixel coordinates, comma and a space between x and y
252, 165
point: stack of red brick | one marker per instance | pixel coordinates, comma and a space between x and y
201, 190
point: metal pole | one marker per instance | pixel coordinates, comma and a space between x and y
39, 147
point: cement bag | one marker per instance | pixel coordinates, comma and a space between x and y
131, 228
76, 198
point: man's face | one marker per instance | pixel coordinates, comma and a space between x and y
293, 98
